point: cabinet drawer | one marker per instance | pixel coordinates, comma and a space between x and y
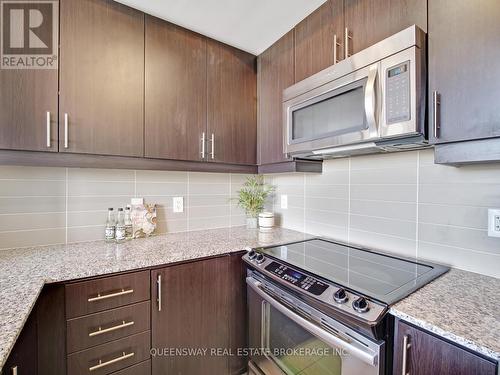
113, 356
143, 368
92, 296
98, 328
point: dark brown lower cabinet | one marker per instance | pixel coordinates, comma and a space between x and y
40, 348
23, 357
198, 317
420, 353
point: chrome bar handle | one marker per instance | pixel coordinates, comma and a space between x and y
406, 347
101, 331
110, 362
66, 140
100, 297
48, 129
158, 283
348, 36
336, 45
212, 140
203, 141
371, 101
14, 370
436, 102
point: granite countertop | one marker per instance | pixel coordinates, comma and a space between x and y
23, 272
461, 306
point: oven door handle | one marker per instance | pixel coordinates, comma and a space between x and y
366, 356
371, 101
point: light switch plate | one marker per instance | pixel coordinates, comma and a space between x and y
178, 203
494, 223
284, 201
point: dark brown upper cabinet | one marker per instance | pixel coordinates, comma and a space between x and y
464, 71
369, 21
101, 78
176, 91
275, 73
232, 105
417, 352
28, 110
319, 40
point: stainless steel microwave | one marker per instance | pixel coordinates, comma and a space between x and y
373, 101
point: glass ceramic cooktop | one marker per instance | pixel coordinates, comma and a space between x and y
374, 274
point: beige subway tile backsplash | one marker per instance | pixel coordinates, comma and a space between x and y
70, 204
401, 203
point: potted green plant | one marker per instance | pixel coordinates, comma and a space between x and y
252, 198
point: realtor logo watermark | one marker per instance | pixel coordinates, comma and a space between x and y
29, 34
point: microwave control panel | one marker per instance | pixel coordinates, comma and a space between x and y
397, 97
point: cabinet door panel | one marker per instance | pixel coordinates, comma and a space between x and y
25, 98
370, 21
275, 73
463, 68
232, 104
202, 307
23, 356
102, 78
315, 39
428, 354
176, 104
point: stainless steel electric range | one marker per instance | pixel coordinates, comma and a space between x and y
319, 307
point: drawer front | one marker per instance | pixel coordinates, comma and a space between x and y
102, 327
92, 296
107, 358
143, 368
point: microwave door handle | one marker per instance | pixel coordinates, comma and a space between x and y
371, 102
368, 357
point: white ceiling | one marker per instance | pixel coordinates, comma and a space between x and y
251, 25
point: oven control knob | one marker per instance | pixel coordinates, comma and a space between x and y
252, 254
360, 305
340, 296
259, 258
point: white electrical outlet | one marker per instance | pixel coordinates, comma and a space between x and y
284, 201
494, 223
178, 203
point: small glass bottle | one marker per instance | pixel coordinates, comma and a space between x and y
120, 226
109, 234
128, 224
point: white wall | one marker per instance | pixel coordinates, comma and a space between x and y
402, 203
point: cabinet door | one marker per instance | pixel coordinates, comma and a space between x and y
370, 21
26, 96
101, 78
428, 354
202, 307
232, 105
176, 92
23, 356
319, 39
464, 69
275, 72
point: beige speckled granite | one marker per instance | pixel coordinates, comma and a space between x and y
23, 272
462, 306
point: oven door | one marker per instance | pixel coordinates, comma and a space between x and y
288, 337
341, 112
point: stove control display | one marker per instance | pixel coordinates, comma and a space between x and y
307, 283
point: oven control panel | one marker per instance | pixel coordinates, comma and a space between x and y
297, 278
